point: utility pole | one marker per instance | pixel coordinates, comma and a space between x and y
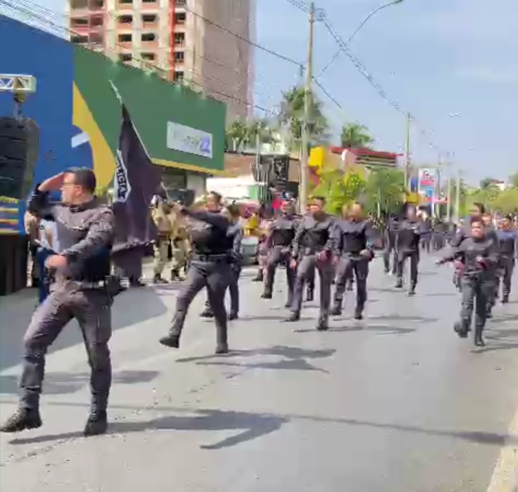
407, 148
457, 197
448, 205
304, 154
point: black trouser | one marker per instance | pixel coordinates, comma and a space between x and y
306, 267
276, 256
233, 289
506, 274
414, 262
215, 276
92, 309
390, 248
477, 290
348, 266
426, 241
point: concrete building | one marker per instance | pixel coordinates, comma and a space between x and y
197, 42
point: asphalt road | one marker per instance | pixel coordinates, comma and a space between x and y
395, 403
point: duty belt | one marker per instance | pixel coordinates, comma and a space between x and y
211, 258
312, 251
85, 284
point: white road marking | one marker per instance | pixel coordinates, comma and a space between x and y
505, 474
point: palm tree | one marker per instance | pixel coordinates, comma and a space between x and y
292, 115
236, 135
259, 131
355, 135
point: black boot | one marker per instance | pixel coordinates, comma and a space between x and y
479, 340
171, 340
157, 279
22, 419
461, 329
266, 295
233, 316
309, 295
221, 348
322, 324
207, 313
96, 424
358, 313
411, 292
337, 309
505, 299
175, 275
292, 318
399, 283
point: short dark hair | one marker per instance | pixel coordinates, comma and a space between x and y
216, 195
234, 210
476, 220
83, 177
480, 206
319, 198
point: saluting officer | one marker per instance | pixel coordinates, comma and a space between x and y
313, 247
80, 290
354, 248
280, 237
209, 268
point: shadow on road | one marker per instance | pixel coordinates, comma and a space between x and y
361, 326
251, 425
59, 383
256, 425
131, 307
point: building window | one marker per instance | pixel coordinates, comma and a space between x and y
149, 36
148, 56
96, 4
97, 21
124, 38
125, 19
148, 1
78, 4
179, 18
96, 38
178, 77
179, 56
125, 57
179, 38
79, 22
146, 18
180, 3
79, 39
125, 2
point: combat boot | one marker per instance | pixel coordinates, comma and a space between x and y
221, 348
399, 283
411, 292
207, 313
267, 294
171, 340
96, 424
22, 419
461, 329
479, 340
292, 318
358, 313
322, 324
337, 309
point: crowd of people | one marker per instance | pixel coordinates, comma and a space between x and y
205, 245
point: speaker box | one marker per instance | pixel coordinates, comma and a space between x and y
19, 147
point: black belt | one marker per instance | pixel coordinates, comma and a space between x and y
211, 258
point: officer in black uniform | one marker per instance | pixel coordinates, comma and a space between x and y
80, 290
280, 238
235, 231
508, 250
210, 267
391, 228
313, 247
407, 247
479, 255
354, 248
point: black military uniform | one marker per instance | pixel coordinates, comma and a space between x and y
313, 246
508, 248
407, 247
354, 247
210, 268
281, 236
235, 231
390, 245
480, 257
79, 291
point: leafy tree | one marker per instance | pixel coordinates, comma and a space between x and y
514, 180
354, 135
487, 183
385, 190
507, 201
259, 128
292, 115
237, 135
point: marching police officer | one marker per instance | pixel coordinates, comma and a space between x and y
80, 290
280, 237
508, 248
391, 228
407, 247
479, 256
354, 247
209, 267
313, 247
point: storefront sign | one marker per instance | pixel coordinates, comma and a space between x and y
190, 140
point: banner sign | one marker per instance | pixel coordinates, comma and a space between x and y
427, 179
190, 140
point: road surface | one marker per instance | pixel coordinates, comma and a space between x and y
395, 403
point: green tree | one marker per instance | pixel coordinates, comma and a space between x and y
513, 179
237, 135
354, 135
259, 129
292, 115
506, 202
487, 183
385, 190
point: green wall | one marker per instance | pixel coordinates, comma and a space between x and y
152, 102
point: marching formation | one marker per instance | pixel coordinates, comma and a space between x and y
339, 249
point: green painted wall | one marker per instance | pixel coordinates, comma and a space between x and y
152, 102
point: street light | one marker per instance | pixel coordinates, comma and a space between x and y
372, 14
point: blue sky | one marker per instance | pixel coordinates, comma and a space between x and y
434, 57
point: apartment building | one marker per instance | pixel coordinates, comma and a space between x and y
196, 42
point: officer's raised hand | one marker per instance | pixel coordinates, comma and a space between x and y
52, 184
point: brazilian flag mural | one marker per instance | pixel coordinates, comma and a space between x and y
79, 115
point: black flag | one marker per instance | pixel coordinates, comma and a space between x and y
136, 181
